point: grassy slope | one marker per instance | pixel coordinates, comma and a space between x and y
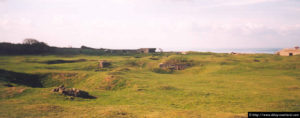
219, 85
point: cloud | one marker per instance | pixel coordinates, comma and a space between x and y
144, 23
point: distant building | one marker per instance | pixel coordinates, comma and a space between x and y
146, 50
289, 51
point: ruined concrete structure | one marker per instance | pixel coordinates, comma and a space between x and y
146, 50
289, 51
103, 64
173, 66
71, 92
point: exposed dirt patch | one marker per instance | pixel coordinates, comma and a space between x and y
44, 108
11, 92
293, 88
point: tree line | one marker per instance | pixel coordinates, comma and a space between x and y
29, 46
32, 46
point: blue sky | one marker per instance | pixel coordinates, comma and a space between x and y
184, 24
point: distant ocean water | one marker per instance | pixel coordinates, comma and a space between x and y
229, 50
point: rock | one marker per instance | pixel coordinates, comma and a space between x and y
72, 92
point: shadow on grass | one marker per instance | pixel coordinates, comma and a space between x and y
64, 61
20, 78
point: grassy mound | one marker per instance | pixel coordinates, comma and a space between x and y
215, 85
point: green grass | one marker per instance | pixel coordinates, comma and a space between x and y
217, 85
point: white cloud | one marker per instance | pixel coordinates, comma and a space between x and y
144, 23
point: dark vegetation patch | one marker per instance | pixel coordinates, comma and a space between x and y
118, 114
52, 67
8, 85
256, 60
64, 61
167, 87
162, 70
113, 83
154, 58
20, 78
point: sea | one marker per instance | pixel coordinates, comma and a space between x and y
229, 50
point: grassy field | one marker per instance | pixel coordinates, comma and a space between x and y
217, 85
